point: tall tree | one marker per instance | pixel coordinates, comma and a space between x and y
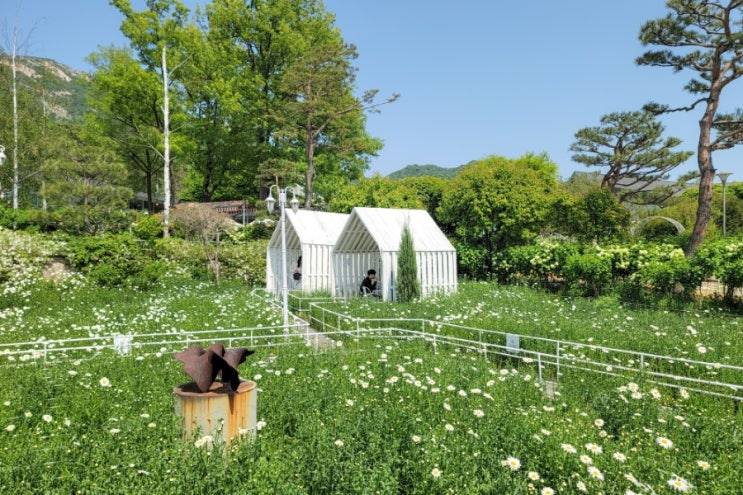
156, 34
631, 146
704, 37
125, 99
497, 202
262, 38
86, 181
323, 110
218, 96
14, 43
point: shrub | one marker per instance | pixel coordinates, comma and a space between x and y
148, 227
678, 275
81, 220
112, 260
541, 262
408, 287
472, 261
588, 273
246, 262
724, 260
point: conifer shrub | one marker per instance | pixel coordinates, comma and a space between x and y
408, 287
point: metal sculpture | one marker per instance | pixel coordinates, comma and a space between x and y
205, 365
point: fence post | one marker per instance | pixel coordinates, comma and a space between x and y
557, 355
539, 365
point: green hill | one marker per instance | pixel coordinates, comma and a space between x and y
61, 88
424, 171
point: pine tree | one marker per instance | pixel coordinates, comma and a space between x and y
408, 287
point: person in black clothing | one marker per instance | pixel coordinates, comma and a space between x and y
369, 284
297, 273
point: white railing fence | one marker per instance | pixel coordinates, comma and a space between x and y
323, 327
551, 357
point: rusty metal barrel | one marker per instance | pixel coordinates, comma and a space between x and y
220, 412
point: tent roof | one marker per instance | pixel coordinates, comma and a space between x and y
380, 229
310, 227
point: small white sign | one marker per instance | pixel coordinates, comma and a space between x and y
512, 343
123, 344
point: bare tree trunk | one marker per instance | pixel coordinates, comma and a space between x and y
166, 147
16, 181
310, 145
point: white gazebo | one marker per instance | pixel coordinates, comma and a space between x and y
312, 235
371, 239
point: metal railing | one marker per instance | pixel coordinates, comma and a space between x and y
323, 327
551, 357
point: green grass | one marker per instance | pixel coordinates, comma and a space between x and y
703, 335
387, 417
375, 415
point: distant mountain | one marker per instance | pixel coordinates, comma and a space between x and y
424, 171
61, 88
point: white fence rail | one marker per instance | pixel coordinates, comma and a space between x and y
551, 357
321, 326
54, 350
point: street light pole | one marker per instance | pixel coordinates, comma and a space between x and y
270, 202
724, 178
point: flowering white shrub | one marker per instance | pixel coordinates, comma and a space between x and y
22, 260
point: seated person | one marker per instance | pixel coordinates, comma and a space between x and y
369, 284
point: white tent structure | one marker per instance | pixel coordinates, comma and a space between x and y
371, 239
312, 235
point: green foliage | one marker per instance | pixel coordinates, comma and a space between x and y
630, 145
375, 192
22, 260
430, 191
541, 263
258, 230
496, 202
657, 230
20, 219
674, 277
420, 171
596, 216
147, 227
244, 261
472, 261
407, 285
114, 260
588, 273
605, 219
724, 260
581, 183
87, 220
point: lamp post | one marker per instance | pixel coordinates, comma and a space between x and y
294, 203
724, 178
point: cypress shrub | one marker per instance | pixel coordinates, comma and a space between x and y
408, 287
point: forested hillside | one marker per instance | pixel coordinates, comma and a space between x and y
59, 88
424, 171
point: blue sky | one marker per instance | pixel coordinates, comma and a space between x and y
476, 77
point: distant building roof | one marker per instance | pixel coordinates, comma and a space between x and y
232, 207
629, 184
